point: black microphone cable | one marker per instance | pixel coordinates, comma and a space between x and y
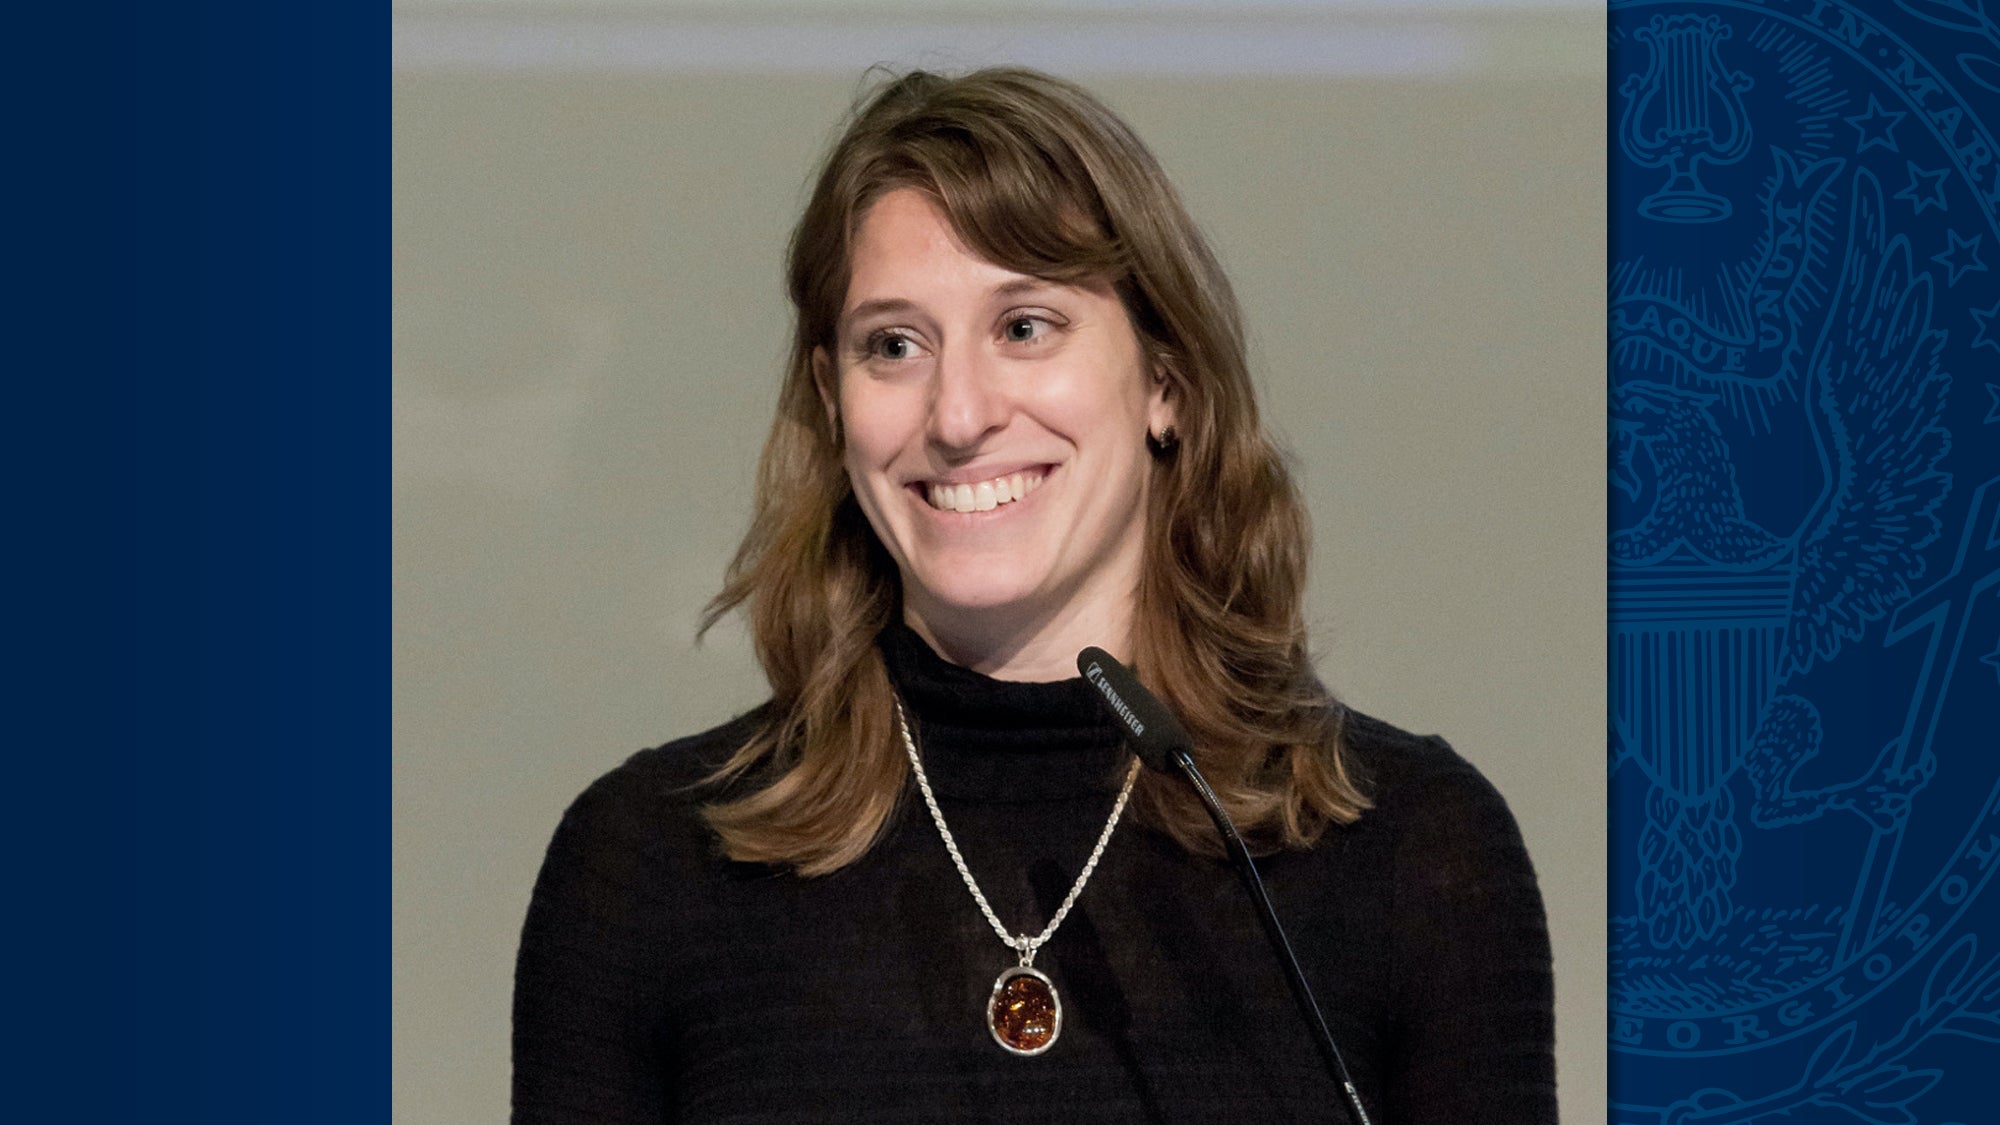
1161, 742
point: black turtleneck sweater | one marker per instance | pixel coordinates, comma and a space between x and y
658, 981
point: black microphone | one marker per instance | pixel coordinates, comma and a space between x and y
1156, 736
1163, 744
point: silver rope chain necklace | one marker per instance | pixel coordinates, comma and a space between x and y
1025, 1013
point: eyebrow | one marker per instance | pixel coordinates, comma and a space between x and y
877, 306
1026, 285
896, 305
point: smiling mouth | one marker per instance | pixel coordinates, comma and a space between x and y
982, 496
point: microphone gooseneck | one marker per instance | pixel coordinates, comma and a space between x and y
1160, 741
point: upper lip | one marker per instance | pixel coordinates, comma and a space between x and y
977, 473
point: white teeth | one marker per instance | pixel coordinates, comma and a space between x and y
984, 496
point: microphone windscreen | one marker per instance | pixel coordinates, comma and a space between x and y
1156, 736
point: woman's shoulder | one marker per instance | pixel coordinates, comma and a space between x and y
1466, 959
1416, 775
659, 791
687, 761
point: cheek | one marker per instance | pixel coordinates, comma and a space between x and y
1110, 405
876, 428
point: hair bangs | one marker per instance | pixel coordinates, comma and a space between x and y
1018, 209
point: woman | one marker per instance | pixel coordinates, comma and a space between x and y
1016, 422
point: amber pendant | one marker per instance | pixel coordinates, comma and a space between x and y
1025, 1014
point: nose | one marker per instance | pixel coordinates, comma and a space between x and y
966, 403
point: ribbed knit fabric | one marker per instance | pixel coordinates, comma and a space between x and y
658, 982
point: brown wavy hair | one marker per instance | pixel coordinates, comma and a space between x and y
1037, 176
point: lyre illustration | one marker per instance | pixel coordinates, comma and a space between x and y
1683, 110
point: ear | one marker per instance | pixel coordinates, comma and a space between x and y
826, 382
1160, 411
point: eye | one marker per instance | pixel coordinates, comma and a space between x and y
1023, 328
892, 344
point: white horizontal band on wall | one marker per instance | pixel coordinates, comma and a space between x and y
1093, 45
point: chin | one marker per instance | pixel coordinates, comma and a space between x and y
978, 590
975, 600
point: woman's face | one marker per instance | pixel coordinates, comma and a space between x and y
994, 427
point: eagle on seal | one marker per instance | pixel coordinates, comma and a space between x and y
1875, 397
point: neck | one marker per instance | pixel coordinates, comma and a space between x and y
1008, 645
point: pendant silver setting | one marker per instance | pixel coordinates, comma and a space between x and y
1025, 1012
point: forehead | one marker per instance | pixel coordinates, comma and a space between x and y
905, 253
904, 240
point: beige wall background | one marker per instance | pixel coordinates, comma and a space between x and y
590, 202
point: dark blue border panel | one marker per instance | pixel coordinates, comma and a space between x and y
200, 802
1805, 561
66, 831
